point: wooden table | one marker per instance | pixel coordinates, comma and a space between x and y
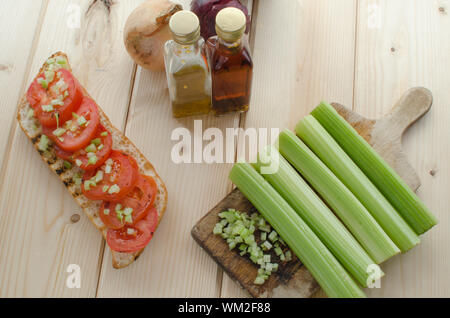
363, 54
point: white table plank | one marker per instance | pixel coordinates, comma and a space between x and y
38, 239
14, 58
410, 47
303, 53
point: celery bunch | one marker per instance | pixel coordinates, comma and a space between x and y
326, 148
348, 208
402, 198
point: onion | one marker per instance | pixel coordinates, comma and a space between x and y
206, 10
146, 31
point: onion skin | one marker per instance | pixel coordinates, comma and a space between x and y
146, 31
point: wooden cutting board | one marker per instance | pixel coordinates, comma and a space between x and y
293, 279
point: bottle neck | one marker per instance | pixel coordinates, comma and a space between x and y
181, 48
230, 46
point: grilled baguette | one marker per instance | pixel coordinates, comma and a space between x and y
33, 130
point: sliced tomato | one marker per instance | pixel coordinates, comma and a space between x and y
116, 182
80, 157
140, 199
130, 239
77, 136
38, 96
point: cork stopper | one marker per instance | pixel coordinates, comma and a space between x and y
185, 27
230, 24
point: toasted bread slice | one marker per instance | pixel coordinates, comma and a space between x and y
33, 130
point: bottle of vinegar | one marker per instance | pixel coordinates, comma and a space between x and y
230, 63
188, 75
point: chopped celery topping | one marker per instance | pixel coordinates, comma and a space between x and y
77, 179
108, 168
61, 60
91, 148
49, 76
67, 164
239, 230
59, 132
96, 141
56, 102
92, 159
43, 82
98, 176
114, 189
128, 219
47, 108
81, 120
127, 211
57, 119
88, 184
131, 231
43, 143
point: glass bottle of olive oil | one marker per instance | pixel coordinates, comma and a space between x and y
188, 75
230, 62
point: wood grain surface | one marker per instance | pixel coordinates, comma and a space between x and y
410, 48
361, 53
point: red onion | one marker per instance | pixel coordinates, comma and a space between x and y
206, 10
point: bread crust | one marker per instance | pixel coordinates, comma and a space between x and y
120, 142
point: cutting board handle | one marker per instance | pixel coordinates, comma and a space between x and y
415, 103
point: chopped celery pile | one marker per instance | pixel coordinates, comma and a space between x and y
241, 230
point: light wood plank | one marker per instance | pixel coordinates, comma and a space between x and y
38, 238
173, 265
14, 57
303, 53
410, 48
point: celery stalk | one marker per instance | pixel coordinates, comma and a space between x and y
404, 200
327, 149
324, 267
342, 201
318, 216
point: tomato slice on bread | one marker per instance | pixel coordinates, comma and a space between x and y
54, 95
113, 180
92, 156
131, 209
130, 239
77, 132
